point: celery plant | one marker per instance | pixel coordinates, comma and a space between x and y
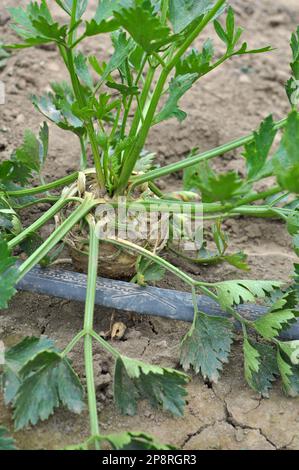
151, 68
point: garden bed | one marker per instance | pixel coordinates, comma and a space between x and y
227, 415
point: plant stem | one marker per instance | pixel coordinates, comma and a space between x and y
73, 343
156, 259
238, 205
131, 158
213, 260
83, 159
89, 125
44, 200
154, 188
73, 21
195, 306
229, 310
164, 11
258, 196
106, 345
135, 150
189, 40
261, 211
44, 188
88, 328
207, 208
40, 222
194, 160
143, 98
129, 105
55, 237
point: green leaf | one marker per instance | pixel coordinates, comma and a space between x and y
196, 62
292, 90
8, 275
9, 221
284, 300
122, 441
149, 272
5, 223
116, 152
50, 30
133, 441
93, 28
184, 12
145, 162
15, 358
123, 89
286, 159
230, 22
48, 381
235, 292
295, 52
293, 223
106, 8
238, 260
103, 21
60, 111
123, 48
260, 366
67, 6
13, 171
206, 346
245, 51
33, 151
45, 104
289, 375
43, 143
296, 244
22, 19
291, 349
251, 360
144, 26
4, 55
232, 35
213, 187
28, 153
161, 386
177, 88
6, 442
81, 68
220, 238
270, 325
221, 187
35, 25
256, 153
221, 32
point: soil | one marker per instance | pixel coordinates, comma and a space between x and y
227, 104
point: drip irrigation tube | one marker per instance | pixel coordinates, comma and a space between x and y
154, 301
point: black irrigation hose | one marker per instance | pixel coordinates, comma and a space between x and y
121, 295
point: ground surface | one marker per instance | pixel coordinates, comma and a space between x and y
227, 104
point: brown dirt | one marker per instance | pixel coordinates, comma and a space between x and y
227, 104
